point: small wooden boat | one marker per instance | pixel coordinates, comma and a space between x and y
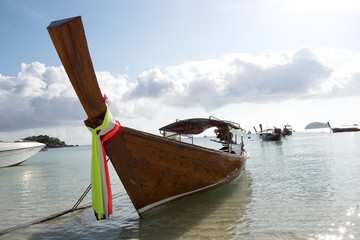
352, 128
287, 130
271, 134
155, 170
14, 153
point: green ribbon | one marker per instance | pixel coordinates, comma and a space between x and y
97, 183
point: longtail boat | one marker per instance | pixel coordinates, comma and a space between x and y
154, 170
352, 128
270, 134
287, 130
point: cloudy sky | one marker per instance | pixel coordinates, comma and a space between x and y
262, 61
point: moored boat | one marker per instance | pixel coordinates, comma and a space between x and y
270, 134
287, 130
14, 153
352, 128
155, 170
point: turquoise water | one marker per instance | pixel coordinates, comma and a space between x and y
307, 186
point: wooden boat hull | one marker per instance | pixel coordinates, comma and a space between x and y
344, 129
269, 134
270, 137
287, 132
337, 130
155, 170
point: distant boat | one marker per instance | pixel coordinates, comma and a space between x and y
287, 130
271, 134
155, 170
352, 128
14, 153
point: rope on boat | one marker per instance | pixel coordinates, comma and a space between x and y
81, 198
42, 220
84, 194
59, 214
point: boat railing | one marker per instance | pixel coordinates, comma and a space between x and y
177, 136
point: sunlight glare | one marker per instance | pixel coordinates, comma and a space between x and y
318, 5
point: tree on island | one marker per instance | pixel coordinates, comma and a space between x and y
51, 142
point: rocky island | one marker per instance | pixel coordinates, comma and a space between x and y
316, 125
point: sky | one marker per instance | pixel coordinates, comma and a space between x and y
273, 62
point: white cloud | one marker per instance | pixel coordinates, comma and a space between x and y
238, 78
37, 96
42, 97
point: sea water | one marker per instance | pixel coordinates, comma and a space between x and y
306, 186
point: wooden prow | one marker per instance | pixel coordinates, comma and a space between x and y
329, 126
261, 129
68, 37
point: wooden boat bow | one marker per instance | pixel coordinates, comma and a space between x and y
68, 37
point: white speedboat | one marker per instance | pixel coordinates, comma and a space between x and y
13, 153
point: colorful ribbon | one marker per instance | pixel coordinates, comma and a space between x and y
100, 180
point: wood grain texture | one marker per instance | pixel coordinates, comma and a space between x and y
153, 168
68, 37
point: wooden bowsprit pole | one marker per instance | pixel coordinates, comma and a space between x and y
68, 37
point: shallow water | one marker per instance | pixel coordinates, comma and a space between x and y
307, 186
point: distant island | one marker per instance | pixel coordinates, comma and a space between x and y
51, 142
316, 125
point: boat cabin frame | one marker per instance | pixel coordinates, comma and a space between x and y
227, 132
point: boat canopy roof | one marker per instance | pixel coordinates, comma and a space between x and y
199, 125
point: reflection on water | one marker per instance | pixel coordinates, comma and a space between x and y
208, 215
275, 148
343, 230
304, 187
218, 214
26, 176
